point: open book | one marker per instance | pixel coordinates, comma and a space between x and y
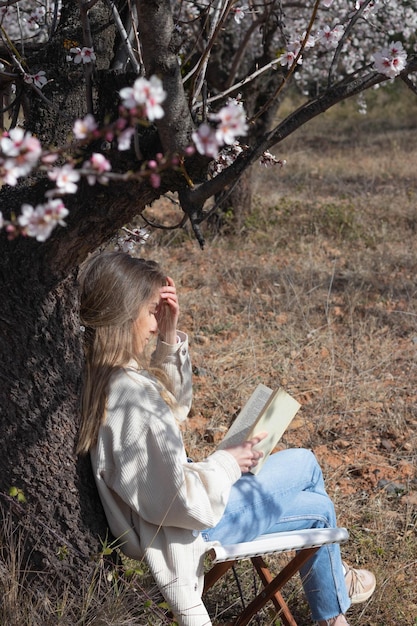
265, 411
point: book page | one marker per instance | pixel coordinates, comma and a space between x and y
241, 427
265, 411
275, 418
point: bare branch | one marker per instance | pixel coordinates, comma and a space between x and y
343, 39
407, 81
217, 23
124, 37
88, 42
239, 84
294, 64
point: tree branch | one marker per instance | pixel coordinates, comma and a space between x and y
193, 199
160, 58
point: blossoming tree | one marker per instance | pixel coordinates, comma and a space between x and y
99, 118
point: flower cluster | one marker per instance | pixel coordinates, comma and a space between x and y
292, 52
131, 239
231, 124
329, 37
39, 79
391, 61
29, 21
268, 159
144, 99
40, 221
239, 13
225, 158
82, 55
19, 154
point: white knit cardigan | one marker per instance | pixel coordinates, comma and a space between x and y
155, 501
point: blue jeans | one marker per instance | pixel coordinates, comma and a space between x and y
289, 494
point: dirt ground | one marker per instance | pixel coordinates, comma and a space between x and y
317, 293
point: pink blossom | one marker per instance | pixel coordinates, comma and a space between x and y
12, 141
125, 138
56, 211
330, 37
289, 56
82, 128
99, 164
155, 180
39, 79
65, 177
205, 140
49, 158
37, 14
10, 172
17, 143
39, 222
148, 94
391, 61
231, 123
84, 55
239, 13
20, 152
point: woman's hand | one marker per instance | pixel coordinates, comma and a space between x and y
168, 312
245, 454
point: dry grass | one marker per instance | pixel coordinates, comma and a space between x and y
318, 293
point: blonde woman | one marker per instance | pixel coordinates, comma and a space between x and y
161, 506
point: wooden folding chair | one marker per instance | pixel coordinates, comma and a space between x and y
304, 542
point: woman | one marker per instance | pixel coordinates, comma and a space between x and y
161, 506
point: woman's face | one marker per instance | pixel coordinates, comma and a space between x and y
146, 325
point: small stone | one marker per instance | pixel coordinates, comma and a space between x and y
387, 444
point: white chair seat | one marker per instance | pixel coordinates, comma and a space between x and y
279, 542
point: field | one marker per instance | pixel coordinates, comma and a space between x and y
318, 293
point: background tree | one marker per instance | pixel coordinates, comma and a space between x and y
75, 128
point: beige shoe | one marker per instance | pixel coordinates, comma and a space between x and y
360, 584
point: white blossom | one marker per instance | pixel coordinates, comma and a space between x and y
99, 165
231, 123
146, 94
40, 221
65, 178
83, 55
83, 127
39, 79
205, 140
391, 61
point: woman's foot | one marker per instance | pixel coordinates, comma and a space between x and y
360, 584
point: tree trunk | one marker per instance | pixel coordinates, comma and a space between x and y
40, 343
236, 205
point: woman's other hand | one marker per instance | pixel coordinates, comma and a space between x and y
168, 312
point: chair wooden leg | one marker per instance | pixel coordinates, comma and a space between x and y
215, 573
272, 587
279, 602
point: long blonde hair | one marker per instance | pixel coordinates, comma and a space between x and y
114, 287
